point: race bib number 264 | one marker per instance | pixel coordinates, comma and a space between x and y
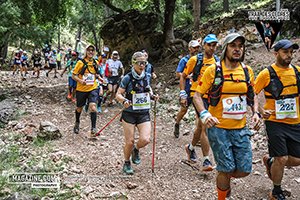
141, 101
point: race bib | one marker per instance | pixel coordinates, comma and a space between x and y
89, 79
234, 107
141, 101
286, 108
18, 61
37, 62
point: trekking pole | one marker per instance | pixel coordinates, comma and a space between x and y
109, 122
154, 137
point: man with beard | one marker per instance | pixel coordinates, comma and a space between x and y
197, 66
229, 85
281, 85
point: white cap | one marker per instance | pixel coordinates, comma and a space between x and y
114, 52
194, 43
105, 48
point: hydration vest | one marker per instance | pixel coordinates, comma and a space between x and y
276, 87
138, 86
199, 64
85, 67
215, 93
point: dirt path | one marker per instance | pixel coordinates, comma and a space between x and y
96, 166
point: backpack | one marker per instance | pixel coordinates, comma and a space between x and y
85, 67
199, 64
215, 93
144, 86
275, 86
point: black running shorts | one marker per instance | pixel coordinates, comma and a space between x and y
135, 117
82, 97
283, 139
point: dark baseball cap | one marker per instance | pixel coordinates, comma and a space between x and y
285, 44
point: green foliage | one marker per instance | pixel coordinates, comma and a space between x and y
215, 9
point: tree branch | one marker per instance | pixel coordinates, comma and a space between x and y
112, 7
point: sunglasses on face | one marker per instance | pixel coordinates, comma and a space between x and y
140, 63
92, 50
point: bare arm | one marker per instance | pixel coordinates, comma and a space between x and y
77, 79
120, 98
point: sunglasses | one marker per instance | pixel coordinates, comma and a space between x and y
91, 50
140, 63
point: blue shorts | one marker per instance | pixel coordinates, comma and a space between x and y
72, 83
232, 149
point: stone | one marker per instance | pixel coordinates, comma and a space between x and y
130, 185
49, 131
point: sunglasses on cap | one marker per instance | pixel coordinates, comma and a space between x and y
140, 63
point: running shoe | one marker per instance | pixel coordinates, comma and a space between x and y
127, 168
207, 166
191, 154
135, 156
99, 109
93, 133
76, 128
176, 130
277, 196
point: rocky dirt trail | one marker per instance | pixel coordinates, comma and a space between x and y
93, 169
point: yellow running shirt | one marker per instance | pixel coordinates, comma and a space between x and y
191, 64
229, 118
287, 111
89, 76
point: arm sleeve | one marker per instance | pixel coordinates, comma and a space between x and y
124, 82
181, 65
190, 65
262, 80
78, 67
207, 80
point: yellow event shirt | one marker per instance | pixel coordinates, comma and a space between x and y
228, 87
287, 77
90, 69
189, 68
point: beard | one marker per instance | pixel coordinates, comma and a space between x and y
231, 59
284, 62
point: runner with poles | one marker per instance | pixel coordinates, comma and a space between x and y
136, 102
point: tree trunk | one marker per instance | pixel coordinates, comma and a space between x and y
78, 36
203, 6
168, 29
95, 39
156, 4
58, 38
225, 5
4, 46
196, 13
